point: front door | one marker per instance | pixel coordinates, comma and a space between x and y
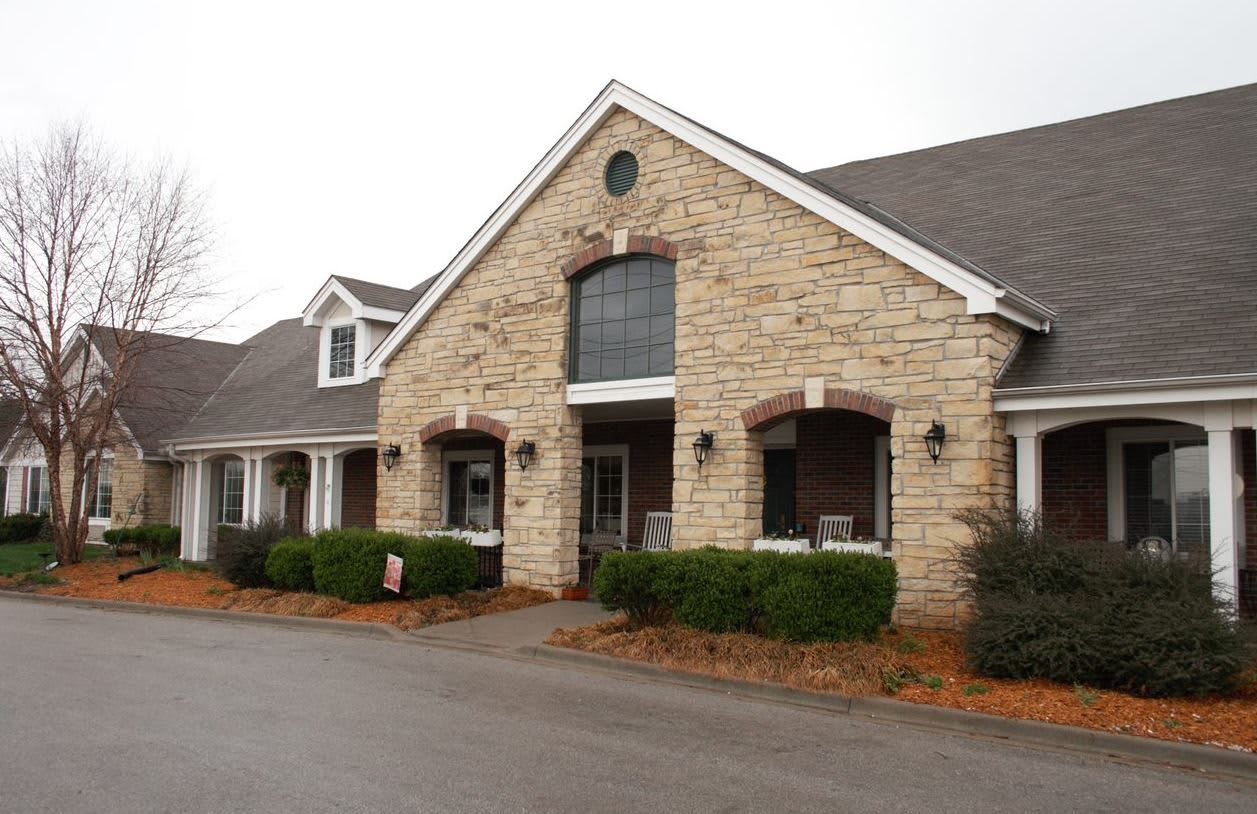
604, 490
778, 491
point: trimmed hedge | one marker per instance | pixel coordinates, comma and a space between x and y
290, 564
1098, 614
156, 541
825, 596
349, 564
18, 528
439, 565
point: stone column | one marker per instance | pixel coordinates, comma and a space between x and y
542, 534
721, 503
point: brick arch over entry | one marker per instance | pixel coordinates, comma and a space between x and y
603, 249
788, 404
475, 422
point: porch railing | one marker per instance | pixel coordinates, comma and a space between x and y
489, 571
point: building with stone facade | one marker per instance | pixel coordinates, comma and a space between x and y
1072, 306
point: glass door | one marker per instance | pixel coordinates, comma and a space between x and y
604, 490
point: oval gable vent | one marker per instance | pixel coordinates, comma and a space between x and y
621, 173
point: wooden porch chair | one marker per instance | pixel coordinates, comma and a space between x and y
658, 533
833, 526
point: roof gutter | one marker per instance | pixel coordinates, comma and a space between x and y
1126, 392
268, 435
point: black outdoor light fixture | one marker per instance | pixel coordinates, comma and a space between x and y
524, 454
702, 444
934, 440
390, 455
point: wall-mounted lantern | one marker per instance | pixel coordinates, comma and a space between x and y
524, 453
390, 455
934, 440
702, 445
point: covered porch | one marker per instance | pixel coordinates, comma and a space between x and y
312, 486
1171, 478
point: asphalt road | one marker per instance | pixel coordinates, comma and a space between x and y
118, 712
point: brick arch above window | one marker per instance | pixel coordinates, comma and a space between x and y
604, 249
777, 408
433, 430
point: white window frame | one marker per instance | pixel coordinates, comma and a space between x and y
222, 493
31, 487
91, 518
1116, 438
331, 341
611, 450
362, 340
469, 456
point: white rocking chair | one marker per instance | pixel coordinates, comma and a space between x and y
833, 527
658, 533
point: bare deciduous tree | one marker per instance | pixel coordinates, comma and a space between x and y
91, 247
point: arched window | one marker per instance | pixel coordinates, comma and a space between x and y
623, 320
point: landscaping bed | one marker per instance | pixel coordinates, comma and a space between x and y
922, 668
195, 587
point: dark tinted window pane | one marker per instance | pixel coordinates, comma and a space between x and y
661, 360
639, 274
613, 278
590, 338
638, 303
589, 368
636, 363
591, 285
662, 272
613, 306
661, 329
590, 309
661, 299
613, 334
613, 364
637, 331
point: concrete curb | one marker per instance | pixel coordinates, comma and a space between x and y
369, 630
1132, 748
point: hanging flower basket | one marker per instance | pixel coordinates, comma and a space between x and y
291, 477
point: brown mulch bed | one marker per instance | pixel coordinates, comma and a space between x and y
863, 669
197, 588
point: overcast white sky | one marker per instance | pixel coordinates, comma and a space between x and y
372, 139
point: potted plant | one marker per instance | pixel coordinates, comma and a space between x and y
575, 593
291, 476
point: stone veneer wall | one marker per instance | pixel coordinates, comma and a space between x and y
770, 299
146, 484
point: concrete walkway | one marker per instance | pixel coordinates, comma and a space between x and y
515, 631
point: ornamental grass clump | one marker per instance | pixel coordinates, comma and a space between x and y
1098, 614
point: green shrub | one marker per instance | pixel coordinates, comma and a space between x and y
711, 589
242, 550
349, 563
828, 596
819, 597
438, 565
18, 528
634, 583
150, 541
290, 564
1093, 614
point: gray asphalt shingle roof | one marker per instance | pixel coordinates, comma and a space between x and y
173, 377
1138, 227
379, 296
275, 389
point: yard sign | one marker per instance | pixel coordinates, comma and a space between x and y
393, 574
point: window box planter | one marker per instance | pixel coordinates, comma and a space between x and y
440, 533
872, 547
799, 545
481, 539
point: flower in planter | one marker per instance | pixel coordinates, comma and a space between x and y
291, 477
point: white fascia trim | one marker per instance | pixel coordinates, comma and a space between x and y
374, 312
982, 294
312, 316
277, 439
1131, 393
659, 387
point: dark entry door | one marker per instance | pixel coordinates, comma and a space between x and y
778, 490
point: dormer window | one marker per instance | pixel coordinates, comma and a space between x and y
341, 355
